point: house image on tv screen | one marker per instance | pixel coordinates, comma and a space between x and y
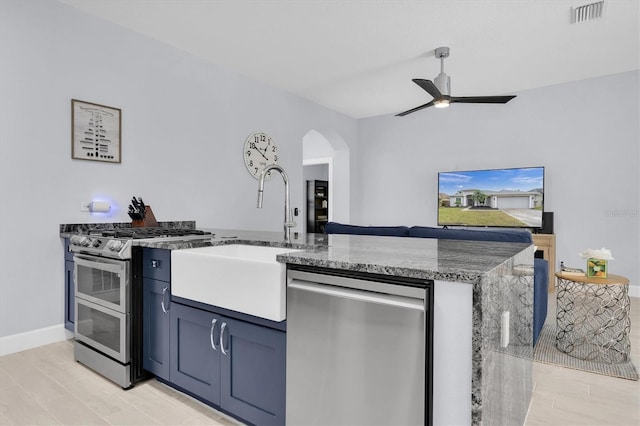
497, 200
498, 197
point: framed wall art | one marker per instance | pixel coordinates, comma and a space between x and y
95, 132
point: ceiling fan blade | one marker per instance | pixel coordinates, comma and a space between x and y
428, 86
482, 99
402, 114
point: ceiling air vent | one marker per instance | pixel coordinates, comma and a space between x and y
588, 12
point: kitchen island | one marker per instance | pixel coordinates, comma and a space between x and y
481, 288
499, 280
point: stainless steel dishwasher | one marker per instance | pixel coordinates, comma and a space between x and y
359, 349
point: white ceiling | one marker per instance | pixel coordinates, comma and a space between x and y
359, 56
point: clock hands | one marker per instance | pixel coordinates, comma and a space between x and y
260, 151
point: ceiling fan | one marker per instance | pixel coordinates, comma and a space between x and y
440, 89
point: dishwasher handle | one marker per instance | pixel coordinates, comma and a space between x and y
360, 295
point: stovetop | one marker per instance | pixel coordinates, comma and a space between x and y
116, 243
144, 233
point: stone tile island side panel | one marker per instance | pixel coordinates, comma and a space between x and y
502, 371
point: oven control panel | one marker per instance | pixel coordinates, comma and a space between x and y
115, 245
80, 240
100, 246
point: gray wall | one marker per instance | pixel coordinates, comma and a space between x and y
316, 172
585, 133
184, 122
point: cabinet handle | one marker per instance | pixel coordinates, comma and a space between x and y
224, 326
213, 327
164, 291
155, 263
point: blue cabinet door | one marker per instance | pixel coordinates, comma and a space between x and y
195, 351
156, 325
69, 296
253, 372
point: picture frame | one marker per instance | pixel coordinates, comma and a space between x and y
96, 132
596, 268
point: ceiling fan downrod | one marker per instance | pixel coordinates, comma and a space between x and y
442, 81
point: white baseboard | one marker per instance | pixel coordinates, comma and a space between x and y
32, 339
634, 290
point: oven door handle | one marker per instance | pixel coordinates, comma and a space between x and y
99, 263
359, 295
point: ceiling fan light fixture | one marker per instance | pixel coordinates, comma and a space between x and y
441, 103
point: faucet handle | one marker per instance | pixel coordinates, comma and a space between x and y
291, 224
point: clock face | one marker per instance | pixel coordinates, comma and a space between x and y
260, 151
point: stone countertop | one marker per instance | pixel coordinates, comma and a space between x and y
236, 236
424, 258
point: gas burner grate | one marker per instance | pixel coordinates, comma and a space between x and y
140, 233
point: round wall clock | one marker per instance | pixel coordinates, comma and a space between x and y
260, 151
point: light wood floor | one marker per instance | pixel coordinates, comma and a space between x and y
45, 386
562, 396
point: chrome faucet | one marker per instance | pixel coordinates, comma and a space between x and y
288, 222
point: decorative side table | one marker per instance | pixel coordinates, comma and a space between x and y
593, 317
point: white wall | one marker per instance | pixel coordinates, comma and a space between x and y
585, 133
316, 172
184, 122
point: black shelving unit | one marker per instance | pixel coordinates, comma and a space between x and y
317, 205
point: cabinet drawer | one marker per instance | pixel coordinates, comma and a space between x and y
156, 264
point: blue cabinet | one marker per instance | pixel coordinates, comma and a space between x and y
156, 294
235, 365
253, 372
69, 289
231, 361
195, 352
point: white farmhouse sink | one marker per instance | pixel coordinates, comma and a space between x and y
239, 277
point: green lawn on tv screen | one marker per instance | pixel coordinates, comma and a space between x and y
460, 216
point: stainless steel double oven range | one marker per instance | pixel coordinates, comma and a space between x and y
108, 298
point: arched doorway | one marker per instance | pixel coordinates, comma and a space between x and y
328, 154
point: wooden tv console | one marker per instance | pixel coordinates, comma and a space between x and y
546, 243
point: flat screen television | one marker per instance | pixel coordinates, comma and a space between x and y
505, 198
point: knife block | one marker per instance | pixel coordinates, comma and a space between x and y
148, 221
